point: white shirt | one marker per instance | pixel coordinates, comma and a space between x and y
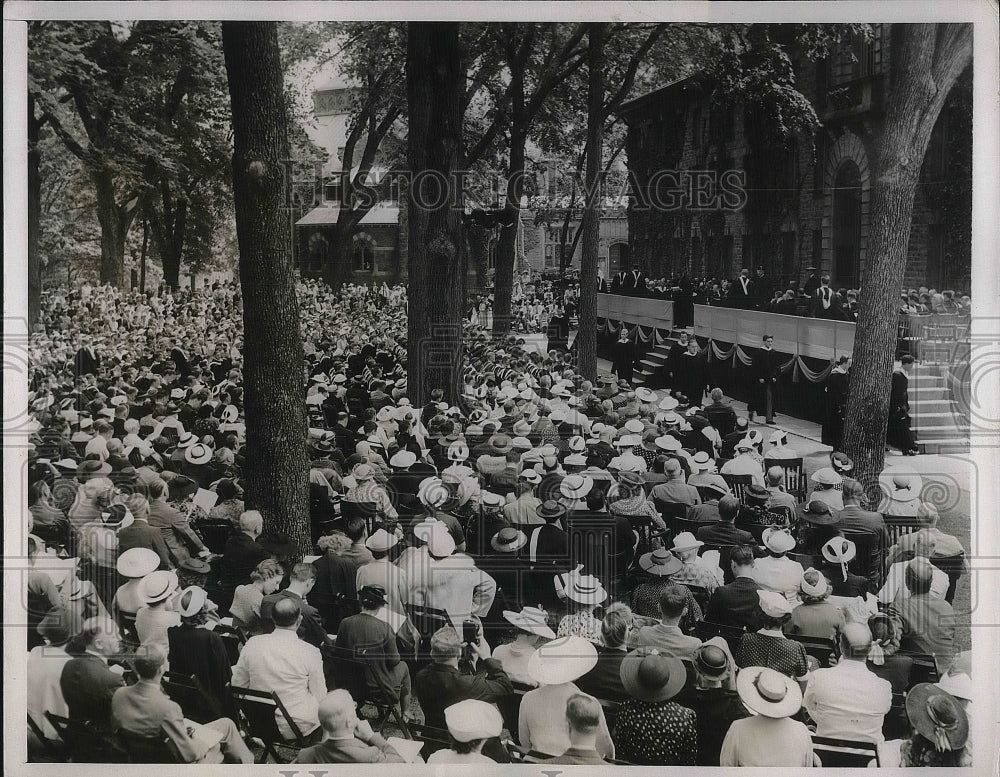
383, 573
542, 726
45, 665
848, 701
744, 464
760, 741
455, 585
283, 663
895, 583
779, 574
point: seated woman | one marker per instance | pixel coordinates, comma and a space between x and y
195, 649
532, 630
816, 616
769, 647
471, 724
245, 609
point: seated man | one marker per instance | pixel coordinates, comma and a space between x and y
300, 583
374, 642
347, 739
283, 663
737, 603
666, 636
87, 683
442, 684
675, 490
144, 710
723, 531
242, 553
925, 623
848, 700
583, 718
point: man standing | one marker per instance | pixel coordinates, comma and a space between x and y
825, 302
812, 282
765, 372
742, 292
762, 289
899, 432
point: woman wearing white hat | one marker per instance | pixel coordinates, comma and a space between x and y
471, 724
532, 630
583, 594
195, 648
770, 737
152, 621
542, 715
816, 616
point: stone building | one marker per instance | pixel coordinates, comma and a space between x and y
543, 243
807, 201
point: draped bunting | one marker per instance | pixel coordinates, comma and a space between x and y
735, 352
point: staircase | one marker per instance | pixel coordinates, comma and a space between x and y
653, 361
938, 422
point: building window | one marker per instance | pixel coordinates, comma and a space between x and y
864, 57
363, 253
332, 189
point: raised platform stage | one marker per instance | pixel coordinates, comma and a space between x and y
940, 423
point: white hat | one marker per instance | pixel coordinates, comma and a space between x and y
702, 462
458, 451
473, 719
490, 499
385, 413
440, 543
531, 476
634, 426
584, 589
196, 597
575, 486
198, 454
423, 529
577, 444
137, 562
186, 440
668, 442
773, 604
821, 588
743, 445
777, 540
827, 476
768, 693
562, 661
645, 395
575, 460
403, 459
958, 685
157, 586
777, 436
530, 619
381, 541
230, 414
433, 492
686, 541
668, 403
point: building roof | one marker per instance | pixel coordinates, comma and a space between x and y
380, 214
690, 85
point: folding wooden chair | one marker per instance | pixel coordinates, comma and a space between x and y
845, 753
214, 534
52, 748
351, 672
705, 630
795, 481
187, 692
85, 743
823, 649
738, 484
257, 710
141, 749
954, 567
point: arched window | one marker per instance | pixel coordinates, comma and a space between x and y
319, 252
363, 253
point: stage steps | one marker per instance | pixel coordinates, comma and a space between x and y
653, 361
939, 425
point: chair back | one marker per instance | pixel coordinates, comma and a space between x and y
898, 525
954, 567
259, 710
433, 738
678, 525
845, 753
823, 649
84, 742
738, 484
142, 749
925, 668
705, 630
700, 594
233, 644
189, 694
349, 672
869, 558
592, 543
807, 560
367, 510
670, 510
426, 620
795, 481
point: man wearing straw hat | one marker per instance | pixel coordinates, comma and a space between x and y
770, 737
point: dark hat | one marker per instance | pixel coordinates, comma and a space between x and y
630, 478
92, 468
196, 565
550, 509
711, 661
757, 493
937, 716
651, 676
372, 594
817, 512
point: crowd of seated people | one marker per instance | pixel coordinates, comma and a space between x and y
539, 570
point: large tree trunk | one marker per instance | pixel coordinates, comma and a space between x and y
34, 214
586, 338
173, 246
503, 279
435, 79
927, 59
114, 227
143, 255
276, 466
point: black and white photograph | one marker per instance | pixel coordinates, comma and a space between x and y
500, 384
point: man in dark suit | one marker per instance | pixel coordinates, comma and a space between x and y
825, 302
87, 683
723, 532
730, 440
549, 542
899, 432
764, 373
737, 603
86, 361
762, 288
140, 534
742, 292
604, 680
441, 684
811, 283
853, 519
300, 583
242, 553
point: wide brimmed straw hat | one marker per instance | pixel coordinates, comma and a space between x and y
508, 540
576, 486
531, 619
157, 586
137, 562
585, 589
562, 661
651, 676
660, 562
937, 716
768, 693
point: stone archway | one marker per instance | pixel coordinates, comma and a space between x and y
851, 196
